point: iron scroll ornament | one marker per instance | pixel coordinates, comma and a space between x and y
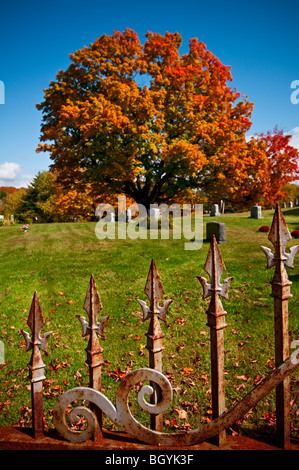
120, 414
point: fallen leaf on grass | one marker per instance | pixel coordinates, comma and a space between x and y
59, 365
270, 364
56, 387
117, 374
269, 418
239, 387
258, 379
204, 377
242, 377
187, 370
189, 405
5, 404
182, 414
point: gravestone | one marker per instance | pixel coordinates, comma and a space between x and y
222, 206
291, 204
128, 215
154, 213
111, 217
217, 229
256, 212
214, 210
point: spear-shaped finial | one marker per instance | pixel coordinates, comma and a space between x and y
216, 321
279, 236
93, 329
154, 291
36, 342
93, 306
215, 267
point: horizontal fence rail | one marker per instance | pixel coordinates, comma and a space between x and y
160, 390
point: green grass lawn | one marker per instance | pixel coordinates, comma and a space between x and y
56, 260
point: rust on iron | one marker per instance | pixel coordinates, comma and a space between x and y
154, 291
279, 236
93, 329
215, 267
36, 366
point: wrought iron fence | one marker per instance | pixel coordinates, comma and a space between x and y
160, 390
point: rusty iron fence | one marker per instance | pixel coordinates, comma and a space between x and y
160, 390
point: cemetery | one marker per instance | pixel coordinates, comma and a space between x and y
149, 230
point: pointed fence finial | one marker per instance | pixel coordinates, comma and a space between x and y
37, 343
154, 291
279, 236
215, 267
93, 329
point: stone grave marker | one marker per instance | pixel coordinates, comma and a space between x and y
256, 212
214, 210
128, 215
217, 229
155, 213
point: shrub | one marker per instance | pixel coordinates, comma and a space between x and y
264, 228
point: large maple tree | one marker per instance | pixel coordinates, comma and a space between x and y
147, 122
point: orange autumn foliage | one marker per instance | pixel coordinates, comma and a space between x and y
141, 120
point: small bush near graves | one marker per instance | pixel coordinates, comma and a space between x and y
264, 228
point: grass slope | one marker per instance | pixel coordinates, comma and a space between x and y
56, 260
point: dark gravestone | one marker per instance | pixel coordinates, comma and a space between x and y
217, 229
256, 212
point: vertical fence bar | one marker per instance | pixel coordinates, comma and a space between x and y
94, 350
216, 321
36, 366
279, 236
154, 291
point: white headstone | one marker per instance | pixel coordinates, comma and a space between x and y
154, 213
214, 210
111, 217
128, 215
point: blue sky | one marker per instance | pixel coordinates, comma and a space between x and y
258, 39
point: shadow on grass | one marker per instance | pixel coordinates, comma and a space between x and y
291, 212
294, 277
